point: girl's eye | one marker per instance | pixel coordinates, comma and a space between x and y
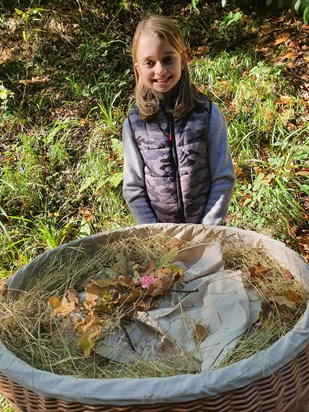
169, 60
149, 63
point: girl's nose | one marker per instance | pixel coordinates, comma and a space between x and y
160, 68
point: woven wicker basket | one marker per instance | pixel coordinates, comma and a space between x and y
285, 391
286, 388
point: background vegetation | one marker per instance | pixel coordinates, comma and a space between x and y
66, 85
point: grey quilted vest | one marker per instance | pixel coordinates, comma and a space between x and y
176, 166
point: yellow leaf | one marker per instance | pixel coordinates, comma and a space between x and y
289, 55
286, 100
281, 39
54, 302
86, 344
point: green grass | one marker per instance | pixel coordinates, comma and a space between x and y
66, 85
5, 406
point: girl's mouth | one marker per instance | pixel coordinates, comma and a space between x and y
162, 81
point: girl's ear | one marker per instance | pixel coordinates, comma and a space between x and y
136, 70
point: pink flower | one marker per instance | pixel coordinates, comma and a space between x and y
146, 281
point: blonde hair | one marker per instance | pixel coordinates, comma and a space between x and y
148, 100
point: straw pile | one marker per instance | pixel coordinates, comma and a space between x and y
32, 330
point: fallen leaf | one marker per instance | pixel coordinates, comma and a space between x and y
100, 287
285, 100
281, 39
289, 55
121, 267
168, 257
200, 332
90, 300
161, 285
86, 343
293, 296
54, 302
64, 308
148, 268
89, 326
257, 271
73, 296
126, 281
173, 243
3, 288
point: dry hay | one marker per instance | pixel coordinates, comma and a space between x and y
284, 299
31, 331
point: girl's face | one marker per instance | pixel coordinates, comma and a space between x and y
158, 64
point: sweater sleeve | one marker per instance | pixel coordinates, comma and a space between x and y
221, 170
134, 189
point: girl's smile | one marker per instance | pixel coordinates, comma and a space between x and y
158, 64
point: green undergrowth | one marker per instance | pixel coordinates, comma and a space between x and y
66, 84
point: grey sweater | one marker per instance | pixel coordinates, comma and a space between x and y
222, 177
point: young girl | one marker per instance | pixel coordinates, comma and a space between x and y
177, 165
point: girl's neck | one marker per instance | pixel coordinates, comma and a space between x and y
169, 98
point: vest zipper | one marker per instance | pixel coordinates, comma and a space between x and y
171, 135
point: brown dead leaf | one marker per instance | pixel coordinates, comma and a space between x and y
282, 39
5, 54
257, 271
73, 296
293, 296
90, 300
290, 55
90, 326
173, 243
286, 100
126, 281
3, 288
148, 269
200, 333
99, 287
162, 283
64, 308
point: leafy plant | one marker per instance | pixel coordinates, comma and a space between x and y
299, 6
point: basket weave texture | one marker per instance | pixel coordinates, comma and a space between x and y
287, 390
